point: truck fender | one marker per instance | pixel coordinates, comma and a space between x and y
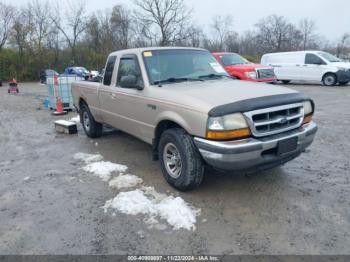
166, 120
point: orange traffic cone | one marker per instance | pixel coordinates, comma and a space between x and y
59, 108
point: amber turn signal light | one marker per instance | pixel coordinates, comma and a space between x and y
307, 119
224, 135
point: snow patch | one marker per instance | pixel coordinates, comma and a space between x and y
88, 158
177, 213
131, 203
125, 181
75, 119
104, 169
153, 205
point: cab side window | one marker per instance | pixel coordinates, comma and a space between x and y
311, 59
129, 66
107, 79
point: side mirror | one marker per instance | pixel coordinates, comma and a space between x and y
130, 81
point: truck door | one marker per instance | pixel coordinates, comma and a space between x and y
313, 68
107, 93
133, 106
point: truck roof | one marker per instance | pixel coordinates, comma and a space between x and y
143, 49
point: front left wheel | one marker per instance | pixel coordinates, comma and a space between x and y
180, 161
330, 79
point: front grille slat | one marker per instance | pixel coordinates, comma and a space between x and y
275, 120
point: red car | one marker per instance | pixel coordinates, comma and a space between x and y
242, 69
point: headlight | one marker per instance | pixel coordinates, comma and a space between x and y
227, 127
308, 112
251, 74
308, 108
227, 122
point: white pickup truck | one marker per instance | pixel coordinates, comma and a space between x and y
183, 103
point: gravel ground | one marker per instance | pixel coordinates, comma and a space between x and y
48, 205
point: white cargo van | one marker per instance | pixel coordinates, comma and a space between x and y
308, 66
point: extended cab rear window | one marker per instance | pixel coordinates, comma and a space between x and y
109, 70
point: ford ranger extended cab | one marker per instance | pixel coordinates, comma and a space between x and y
183, 103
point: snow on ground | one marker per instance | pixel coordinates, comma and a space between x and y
104, 169
88, 158
146, 201
131, 203
125, 181
75, 119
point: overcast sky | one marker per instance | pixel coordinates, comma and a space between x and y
332, 17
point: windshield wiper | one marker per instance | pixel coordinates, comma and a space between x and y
176, 80
213, 76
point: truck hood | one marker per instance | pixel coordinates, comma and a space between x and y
206, 95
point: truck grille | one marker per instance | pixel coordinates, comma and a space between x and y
274, 120
265, 73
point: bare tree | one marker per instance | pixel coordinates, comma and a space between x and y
106, 35
93, 33
274, 33
21, 30
75, 25
6, 18
343, 45
122, 26
163, 22
249, 44
222, 29
41, 22
54, 42
307, 29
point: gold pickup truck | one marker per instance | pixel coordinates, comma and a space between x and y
183, 103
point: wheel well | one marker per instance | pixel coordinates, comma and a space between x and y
81, 102
161, 127
329, 73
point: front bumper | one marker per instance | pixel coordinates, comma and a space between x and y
254, 154
266, 80
343, 76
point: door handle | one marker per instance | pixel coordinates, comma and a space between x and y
114, 96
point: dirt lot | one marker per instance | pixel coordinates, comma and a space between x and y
49, 205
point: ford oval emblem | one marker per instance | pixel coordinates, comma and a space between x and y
283, 121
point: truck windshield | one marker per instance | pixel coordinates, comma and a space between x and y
233, 59
178, 65
330, 58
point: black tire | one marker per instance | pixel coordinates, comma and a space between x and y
343, 83
329, 79
92, 128
286, 82
192, 167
